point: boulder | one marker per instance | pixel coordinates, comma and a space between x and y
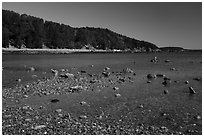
115, 88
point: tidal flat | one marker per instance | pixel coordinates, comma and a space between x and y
102, 93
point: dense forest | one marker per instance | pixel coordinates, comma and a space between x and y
25, 31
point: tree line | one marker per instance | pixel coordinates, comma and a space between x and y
32, 32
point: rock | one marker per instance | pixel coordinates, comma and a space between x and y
67, 75
173, 69
121, 79
39, 127
117, 95
198, 117
28, 120
166, 82
62, 70
106, 68
83, 71
154, 60
128, 70
92, 65
19, 80
55, 72
34, 76
167, 61
76, 89
106, 74
166, 91
149, 81
166, 78
83, 117
141, 106
83, 103
26, 107
151, 76
115, 88
58, 110
192, 91
198, 79
160, 75
186, 82
54, 100
32, 69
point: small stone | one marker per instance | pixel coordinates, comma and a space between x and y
141, 106
166, 91
92, 65
32, 69
192, 91
186, 82
39, 127
106, 68
167, 61
198, 117
58, 110
83, 71
54, 100
149, 81
26, 107
117, 95
34, 76
83, 103
160, 75
19, 80
28, 120
173, 69
115, 88
150, 76
83, 117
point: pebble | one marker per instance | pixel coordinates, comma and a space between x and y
117, 95
83, 103
83, 117
166, 91
160, 75
149, 81
167, 61
32, 69
150, 76
58, 110
192, 91
39, 127
198, 117
19, 80
186, 82
54, 100
115, 88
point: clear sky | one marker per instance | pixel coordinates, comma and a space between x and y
164, 24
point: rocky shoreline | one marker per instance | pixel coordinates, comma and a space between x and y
21, 118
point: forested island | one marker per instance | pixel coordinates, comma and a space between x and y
25, 31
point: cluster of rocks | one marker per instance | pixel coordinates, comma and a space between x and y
28, 120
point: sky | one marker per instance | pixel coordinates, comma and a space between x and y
164, 24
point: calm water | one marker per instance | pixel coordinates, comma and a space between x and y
16, 66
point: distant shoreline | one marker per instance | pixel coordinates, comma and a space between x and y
68, 51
